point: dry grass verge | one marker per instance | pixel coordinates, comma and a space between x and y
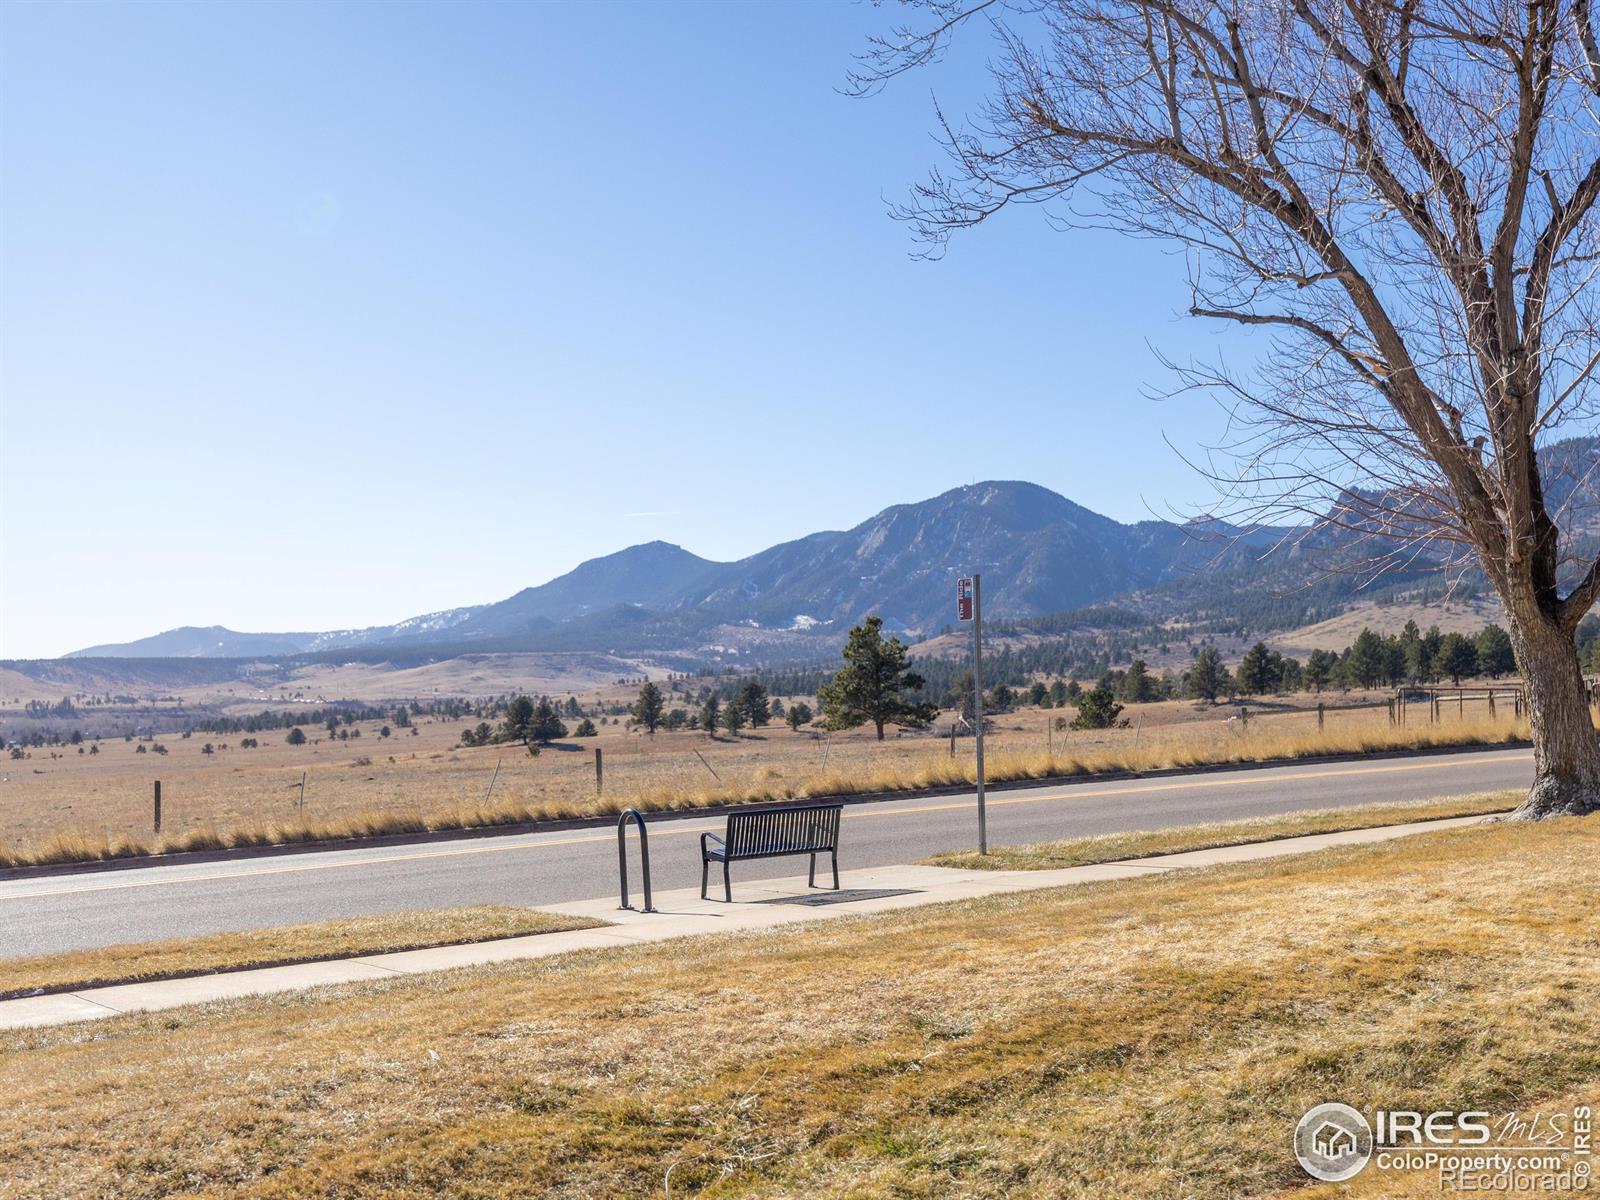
1199, 747
1118, 847
1154, 1037
178, 957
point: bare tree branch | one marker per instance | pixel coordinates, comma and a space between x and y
1406, 191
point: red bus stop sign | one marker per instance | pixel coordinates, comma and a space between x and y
963, 599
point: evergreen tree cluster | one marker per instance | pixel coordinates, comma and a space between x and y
1413, 657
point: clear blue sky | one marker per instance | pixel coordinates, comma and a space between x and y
321, 315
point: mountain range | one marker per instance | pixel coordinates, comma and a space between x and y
1039, 553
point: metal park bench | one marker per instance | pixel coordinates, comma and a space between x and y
773, 833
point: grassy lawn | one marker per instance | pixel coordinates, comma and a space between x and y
276, 947
1153, 1037
1117, 847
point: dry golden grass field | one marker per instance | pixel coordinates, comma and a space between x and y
59, 805
412, 781
1153, 1037
173, 958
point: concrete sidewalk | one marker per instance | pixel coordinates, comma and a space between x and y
680, 913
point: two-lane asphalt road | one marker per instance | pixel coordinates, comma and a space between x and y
45, 915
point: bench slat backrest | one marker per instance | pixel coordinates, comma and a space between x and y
772, 831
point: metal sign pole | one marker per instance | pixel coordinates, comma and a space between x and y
977, 702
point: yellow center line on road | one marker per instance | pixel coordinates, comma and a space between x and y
891, 809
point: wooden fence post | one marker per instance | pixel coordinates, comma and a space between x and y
599, 773
157, 821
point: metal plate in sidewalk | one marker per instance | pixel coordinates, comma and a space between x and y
843, 896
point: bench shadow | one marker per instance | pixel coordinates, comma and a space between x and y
842, 896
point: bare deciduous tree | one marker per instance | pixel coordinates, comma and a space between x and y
1403, 192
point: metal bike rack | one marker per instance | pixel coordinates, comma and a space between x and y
644, 856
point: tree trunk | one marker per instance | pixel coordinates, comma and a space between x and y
1566, 754
879, 724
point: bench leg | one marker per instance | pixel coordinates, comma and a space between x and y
705, 875
727, 884
836, 869
811, 876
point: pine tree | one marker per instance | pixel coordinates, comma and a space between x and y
1411, 647
518, 725
1431, 641
647, 709
1319, 669
869, 686
1137, 686
1368, 665
961, 696
1588, 638
1457, 657
547, 724
1259, 670
1396, 666
753, 702
1097, 710
1205, 675
711, 714
1495, 655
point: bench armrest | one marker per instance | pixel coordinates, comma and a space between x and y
715, 838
